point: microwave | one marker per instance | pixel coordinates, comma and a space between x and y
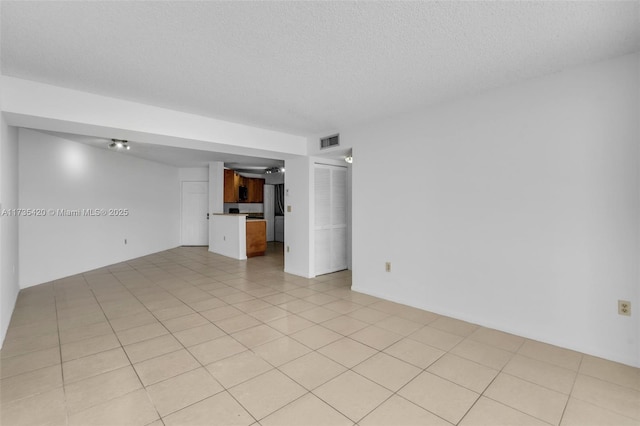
243, 193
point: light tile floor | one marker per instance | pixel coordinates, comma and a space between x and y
186, 337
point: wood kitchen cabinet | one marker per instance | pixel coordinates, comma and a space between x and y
256, 190
256, 238
232, 183
230, 188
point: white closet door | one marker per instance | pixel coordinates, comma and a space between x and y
330, 197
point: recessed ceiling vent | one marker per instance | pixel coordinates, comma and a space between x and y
330, 141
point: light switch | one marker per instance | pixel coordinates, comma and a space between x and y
288, 209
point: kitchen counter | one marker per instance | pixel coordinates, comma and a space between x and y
247, 215
234, 235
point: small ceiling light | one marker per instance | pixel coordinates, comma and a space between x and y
348, 159
119, 144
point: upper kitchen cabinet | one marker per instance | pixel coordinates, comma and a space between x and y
256, 190
230, 187
233, 182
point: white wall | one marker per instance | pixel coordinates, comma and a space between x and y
349, 217
56, 173
298, 260
193, 174
216, 187
274, 178
517, 209
9, 264
45, 107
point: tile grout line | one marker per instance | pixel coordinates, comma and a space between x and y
501, 371
224, 389
183, 348
64, 388
186, 261
125, 353
573, 385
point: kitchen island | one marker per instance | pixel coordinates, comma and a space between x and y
233, 235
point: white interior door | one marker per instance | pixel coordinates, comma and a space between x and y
330, 196
195, 203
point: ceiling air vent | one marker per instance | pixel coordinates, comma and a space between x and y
330, 141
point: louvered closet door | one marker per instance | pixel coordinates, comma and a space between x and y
330, 218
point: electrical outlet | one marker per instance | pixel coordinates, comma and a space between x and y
224, 238
287, 249
288, 209
387, 266
125, 241
624, 307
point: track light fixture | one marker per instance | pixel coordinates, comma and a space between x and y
119, 144
274, 170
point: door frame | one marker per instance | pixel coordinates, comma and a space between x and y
312, 211
181, 206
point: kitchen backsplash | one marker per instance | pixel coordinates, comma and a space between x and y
245, 207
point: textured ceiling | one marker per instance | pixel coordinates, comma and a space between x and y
305, 67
